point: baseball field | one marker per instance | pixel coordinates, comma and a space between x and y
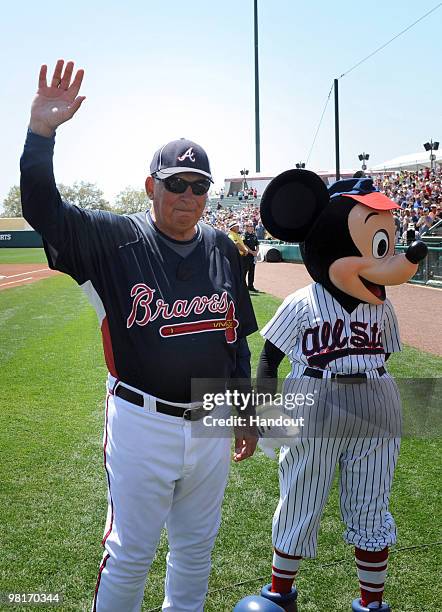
53, 488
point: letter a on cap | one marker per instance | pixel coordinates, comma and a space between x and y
188, 154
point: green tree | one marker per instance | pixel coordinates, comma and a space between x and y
84, 195
12, 203
131, 200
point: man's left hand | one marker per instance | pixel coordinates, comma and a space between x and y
245, 443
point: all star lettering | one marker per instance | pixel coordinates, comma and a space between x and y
323, 343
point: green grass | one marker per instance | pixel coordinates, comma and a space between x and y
16, 256
53, 489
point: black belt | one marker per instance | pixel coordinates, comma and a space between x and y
359, 377
189, 414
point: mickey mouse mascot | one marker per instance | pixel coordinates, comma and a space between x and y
338, 333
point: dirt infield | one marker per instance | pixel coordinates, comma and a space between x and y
14, 275
419, 309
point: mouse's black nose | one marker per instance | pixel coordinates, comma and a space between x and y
417, 251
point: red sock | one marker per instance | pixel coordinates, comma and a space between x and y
284, 571
372, 571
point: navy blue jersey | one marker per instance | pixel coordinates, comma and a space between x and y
164, 318
251, 241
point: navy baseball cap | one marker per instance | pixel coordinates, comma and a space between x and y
180, 156
362, 190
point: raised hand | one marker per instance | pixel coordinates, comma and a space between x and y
58, 102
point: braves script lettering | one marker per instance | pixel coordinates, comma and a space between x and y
145, 310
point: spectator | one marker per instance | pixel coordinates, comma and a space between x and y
415, 215
406, 220
425, 222
260, 230
397, 223
239, 243
433, 213
251, 242
410, 235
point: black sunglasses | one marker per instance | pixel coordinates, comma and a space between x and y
176, 184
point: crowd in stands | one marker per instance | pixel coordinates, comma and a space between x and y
419, 195
247, 194
221, 217
244, 194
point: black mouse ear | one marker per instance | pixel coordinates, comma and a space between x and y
291, 203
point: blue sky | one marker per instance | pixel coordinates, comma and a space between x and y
158, 71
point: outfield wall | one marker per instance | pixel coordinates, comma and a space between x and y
20, 239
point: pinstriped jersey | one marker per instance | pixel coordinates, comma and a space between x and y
314, 330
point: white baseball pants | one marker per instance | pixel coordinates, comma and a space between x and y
158, 474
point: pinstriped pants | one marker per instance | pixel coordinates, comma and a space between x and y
353, 427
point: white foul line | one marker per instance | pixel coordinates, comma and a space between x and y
20, 280
28, 272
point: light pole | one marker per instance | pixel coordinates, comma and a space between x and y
244, 173
431, 146
300, 165
337, 156
363, 157
257, 129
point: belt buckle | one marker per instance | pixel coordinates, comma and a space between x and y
350, 379
187, 414
193, 414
